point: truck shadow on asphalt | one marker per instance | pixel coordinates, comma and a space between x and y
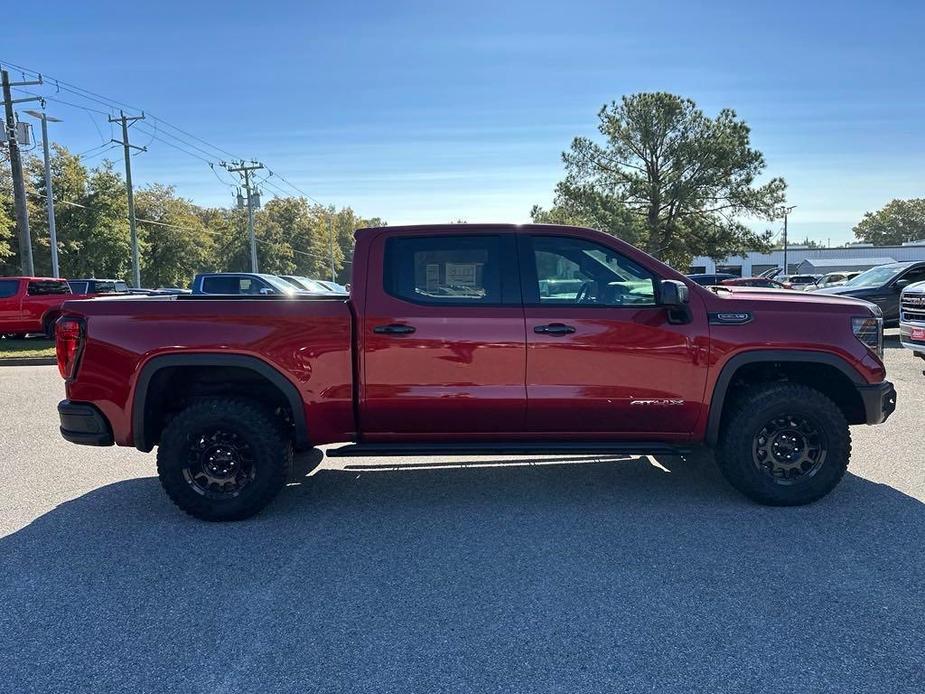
615, 575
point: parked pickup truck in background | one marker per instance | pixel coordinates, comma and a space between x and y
912, 319
97, 287
31, 304
447, 345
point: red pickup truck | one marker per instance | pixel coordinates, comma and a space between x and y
31, 304
477, 339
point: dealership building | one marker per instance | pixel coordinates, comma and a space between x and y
814, 261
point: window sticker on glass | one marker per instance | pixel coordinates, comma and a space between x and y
461, 274
432, 277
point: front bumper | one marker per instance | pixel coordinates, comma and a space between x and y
82, 423
879, 401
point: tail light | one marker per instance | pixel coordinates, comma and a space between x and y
68, 338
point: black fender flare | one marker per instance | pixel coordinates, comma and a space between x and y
143, 441
734, 363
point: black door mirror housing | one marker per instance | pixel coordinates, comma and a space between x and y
899, 285
673, 294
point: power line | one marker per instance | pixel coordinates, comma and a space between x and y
185, 144
188, 144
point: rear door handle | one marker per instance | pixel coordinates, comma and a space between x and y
554, 329
394, 329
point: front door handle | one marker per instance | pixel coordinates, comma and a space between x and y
394, 329
554, 329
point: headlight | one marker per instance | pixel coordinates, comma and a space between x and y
869, 330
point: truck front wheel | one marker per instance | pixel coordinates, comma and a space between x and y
223, 459
784, 444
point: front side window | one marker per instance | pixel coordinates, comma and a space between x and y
78, 287
914, 276
572, 271
444, 269
45, 287
8, 288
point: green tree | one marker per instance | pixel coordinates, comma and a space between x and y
8, 258
668, 179
177, 243
69, 184
894, 224
100, 235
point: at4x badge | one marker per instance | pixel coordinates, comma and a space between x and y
662, 402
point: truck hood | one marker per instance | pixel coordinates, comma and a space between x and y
734, 298
844, 290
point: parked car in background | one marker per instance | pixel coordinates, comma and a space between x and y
707, 279
912, 318
762, 282
31, 304
448, 347
249, 283
334, 286
308, 284
882, 285
833, 279
94, 287
798, 282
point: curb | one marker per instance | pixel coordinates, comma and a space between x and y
28, 361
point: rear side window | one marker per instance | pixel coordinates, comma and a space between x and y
221, 285
44, 287
444, 269
8, 288
232, 285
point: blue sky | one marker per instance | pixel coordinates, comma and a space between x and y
432, 111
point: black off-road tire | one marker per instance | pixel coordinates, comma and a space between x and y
751, 412
253, 428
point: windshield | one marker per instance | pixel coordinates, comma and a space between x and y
876, 276
279, 284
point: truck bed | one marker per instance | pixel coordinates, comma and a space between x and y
307, 339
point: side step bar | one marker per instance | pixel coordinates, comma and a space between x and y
374, 450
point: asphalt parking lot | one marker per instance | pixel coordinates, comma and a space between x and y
552, 575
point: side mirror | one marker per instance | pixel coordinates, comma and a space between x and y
899, 285
266, 291
673, 294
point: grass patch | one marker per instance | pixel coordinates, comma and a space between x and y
31, 348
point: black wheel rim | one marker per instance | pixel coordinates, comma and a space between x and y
789, 449
219, 464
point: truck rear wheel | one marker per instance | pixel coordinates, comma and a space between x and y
223, 459
784, 444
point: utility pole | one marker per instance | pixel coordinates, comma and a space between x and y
244, 170
49, 193
787, 211
127, 151
331, 240
19, 184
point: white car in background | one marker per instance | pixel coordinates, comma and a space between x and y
833, 279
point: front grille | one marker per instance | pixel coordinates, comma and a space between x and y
913, 307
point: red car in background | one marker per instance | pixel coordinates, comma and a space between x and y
31, 304
763, 282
